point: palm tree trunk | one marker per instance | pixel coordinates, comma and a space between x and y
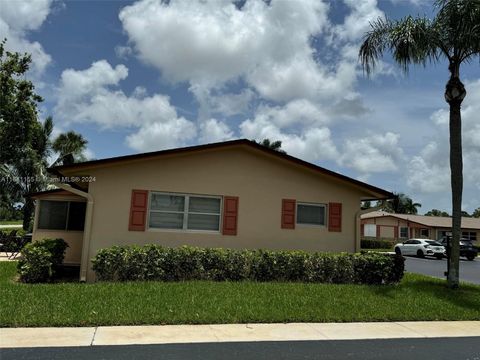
456, 173
454, 95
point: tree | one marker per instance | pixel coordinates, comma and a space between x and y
70, 147
465, 214
435, 212
23, 139
452, 35
366, 205
274, 145
401, 204
476, 213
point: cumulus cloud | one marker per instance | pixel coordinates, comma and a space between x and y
92, 95
373, 154
268, 45
17, 19
307, 138
213, 130
429, 171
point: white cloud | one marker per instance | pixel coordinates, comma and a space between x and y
308, 139
92, 95
357, 22
209, 43
429, 171
214, 130
17, 19
373, 154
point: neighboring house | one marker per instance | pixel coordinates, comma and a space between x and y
235, 194
383, 225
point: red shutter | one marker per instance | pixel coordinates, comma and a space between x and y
395, 231
230, 215
288, 213
362, 230
378, 231
335, 217
138, 210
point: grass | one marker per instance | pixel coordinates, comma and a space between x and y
74, 304
11, 222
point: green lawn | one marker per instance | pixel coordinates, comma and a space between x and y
74, 304
13, 222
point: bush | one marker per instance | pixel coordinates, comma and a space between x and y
153, 262
41, 259
376, 244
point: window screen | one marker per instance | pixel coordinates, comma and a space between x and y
311, 214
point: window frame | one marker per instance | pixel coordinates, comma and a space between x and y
185, 212
469, 236
400, 232
67, 216
315, 205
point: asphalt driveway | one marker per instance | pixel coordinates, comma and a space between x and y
469, 270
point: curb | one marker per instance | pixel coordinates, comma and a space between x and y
187, 334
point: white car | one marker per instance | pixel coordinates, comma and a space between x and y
421, 248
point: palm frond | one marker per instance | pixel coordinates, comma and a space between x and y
411, 41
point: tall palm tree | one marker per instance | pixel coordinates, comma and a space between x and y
452, 35
70, 147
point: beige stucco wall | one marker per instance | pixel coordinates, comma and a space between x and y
74, 239
260, 181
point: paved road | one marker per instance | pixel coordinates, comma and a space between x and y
469, 270
410, 349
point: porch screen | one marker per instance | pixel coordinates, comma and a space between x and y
61, 215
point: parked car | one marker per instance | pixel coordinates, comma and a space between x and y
421, 248
466, 248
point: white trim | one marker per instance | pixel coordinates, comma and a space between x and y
185, 213
308, 224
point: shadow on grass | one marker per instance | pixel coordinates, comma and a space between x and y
467, 296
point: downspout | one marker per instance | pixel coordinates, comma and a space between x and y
87, 228
358, 219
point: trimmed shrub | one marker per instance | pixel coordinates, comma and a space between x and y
153, 262
41, 259
376, 244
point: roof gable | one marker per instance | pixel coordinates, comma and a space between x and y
377, 193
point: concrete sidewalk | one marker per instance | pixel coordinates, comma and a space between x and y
177, 334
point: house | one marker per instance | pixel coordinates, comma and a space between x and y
234, 194
383, 225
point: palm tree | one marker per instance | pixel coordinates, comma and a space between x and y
274, 145
401, 204
70, 147
452, 35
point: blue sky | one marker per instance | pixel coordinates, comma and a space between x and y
136, 76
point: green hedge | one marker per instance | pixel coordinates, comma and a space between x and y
153, 262
41, 259
376, 244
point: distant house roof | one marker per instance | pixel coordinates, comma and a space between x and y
377, 193
430, 221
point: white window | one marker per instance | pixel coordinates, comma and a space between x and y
370, 230
184, 212
311, 214
403, 232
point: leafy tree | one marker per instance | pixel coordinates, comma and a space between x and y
274, 145
435, 212
465, 214
23, 139
452, 35
70, 147
476, 213
401, 204
366, 205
